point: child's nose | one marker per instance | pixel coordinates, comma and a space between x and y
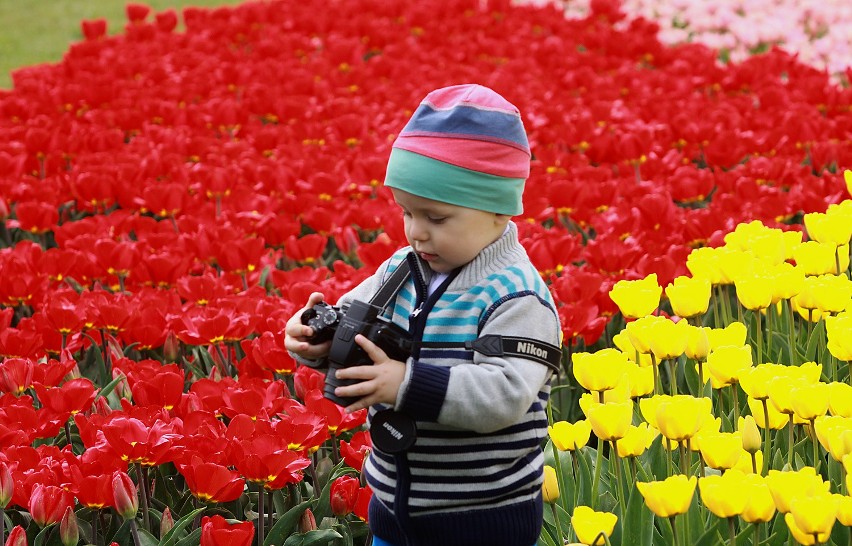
417, 231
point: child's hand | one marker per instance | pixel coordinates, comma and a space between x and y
379, 382
296, 334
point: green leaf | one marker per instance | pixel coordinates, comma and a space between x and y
286, 524
99, 361
313, 538
171, 537
665, 529
584, 485
146, 538
637, 525
41, 537
712, 536
544, 539
192, 539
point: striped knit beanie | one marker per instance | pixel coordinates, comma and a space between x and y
464, 145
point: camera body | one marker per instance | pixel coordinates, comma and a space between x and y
341, 325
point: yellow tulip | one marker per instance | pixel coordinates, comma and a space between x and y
709, 426
831, 293
641, 380
570, 436
738, 263
610, 421
636, 441
732, 334
787, 280
588, 525
751, 440
810, 401
601, 370
697, 343
723, 494
704, 262
839, 334
815, 258
639, 332
743, 235
754, 291
668, 338
814, 514
844, 509
755, 381
809, 371
847, 465
760, 506
727, 363
835, 435
792, 240
827, 228
680, 417
623, 342
637, 298
781, 394
648, 408
840, 398
847, 177
669, 497
769, 247
800, 536
777, 420
689, 296
721, 450
789, 484
550, 485
746, 465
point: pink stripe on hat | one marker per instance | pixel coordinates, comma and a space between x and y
471, 95
476, 155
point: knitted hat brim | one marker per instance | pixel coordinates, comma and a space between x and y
432, 179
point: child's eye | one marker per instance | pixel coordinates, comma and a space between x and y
437, 219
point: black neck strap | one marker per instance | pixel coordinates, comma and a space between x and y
392, 286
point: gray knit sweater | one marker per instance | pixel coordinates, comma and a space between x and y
474, 475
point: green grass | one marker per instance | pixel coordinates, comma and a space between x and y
40, 31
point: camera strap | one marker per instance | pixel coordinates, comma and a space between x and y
392, 286
497, 345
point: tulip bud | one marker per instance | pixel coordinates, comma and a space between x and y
7, 485
69, 532
550, 487
751, 434
171, 347
166, 522
307, 522
18, 537
124, 494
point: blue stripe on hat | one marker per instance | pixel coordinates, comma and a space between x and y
468, 121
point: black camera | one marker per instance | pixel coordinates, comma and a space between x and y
341, 325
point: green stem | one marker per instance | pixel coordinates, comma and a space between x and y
556, 462
755, 536
261, 513
733, 532
759, 337
671, 363
767, 448
134, 530
735, 395
597, 476
816, 446
791, 341
673, 523
618, 478
769, 312
558, 524
657, 386
700, 377
790, 426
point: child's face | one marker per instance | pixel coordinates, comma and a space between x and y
447, 236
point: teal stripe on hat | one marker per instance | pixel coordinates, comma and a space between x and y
426, 177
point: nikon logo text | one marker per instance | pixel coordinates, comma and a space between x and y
530, 349
393, 432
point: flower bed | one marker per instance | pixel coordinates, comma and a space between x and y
172, 198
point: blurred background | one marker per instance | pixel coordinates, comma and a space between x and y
40, 31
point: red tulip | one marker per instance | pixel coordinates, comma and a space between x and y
125, 496
94, 29
16, 375
7, 485
344, 493
217, 531
211, 482
356, 450
48, 503
17, 537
